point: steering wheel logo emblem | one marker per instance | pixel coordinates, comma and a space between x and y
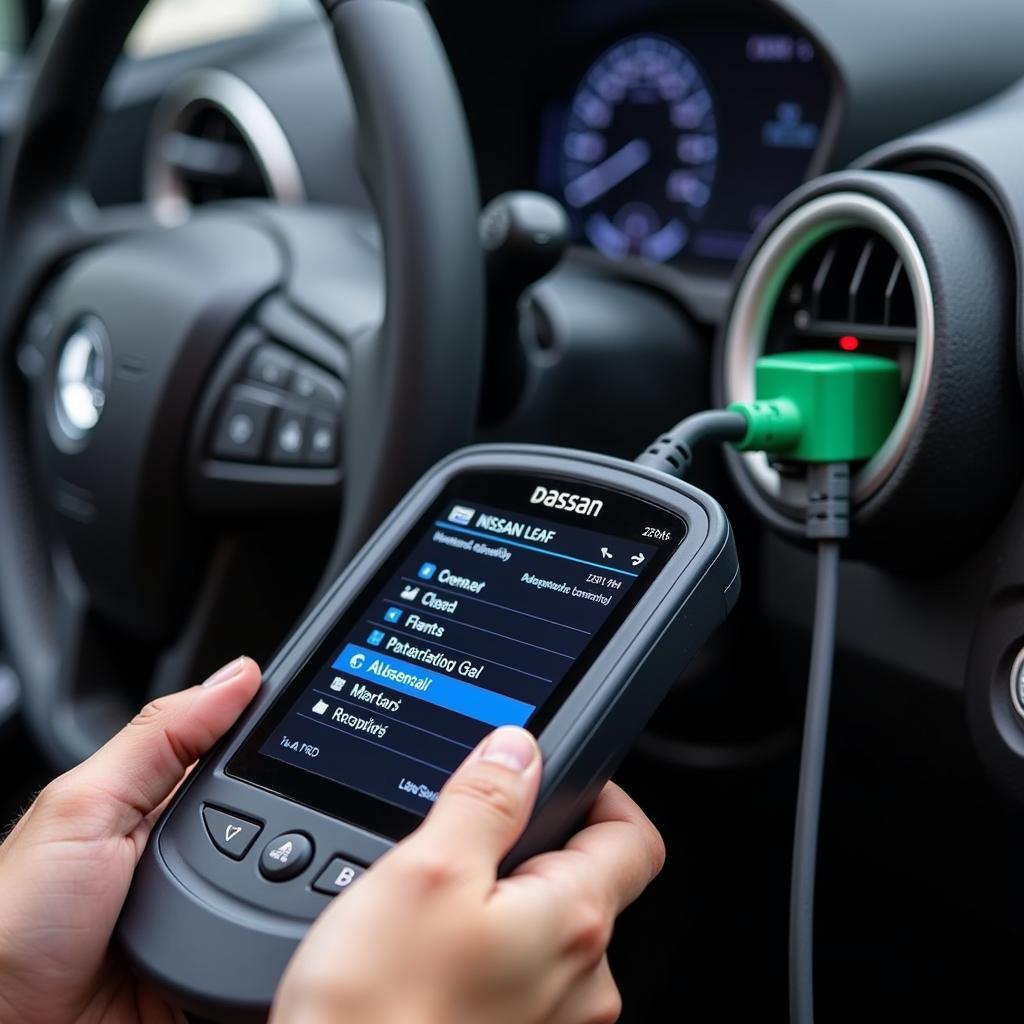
80, 386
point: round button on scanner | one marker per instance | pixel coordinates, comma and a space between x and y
286, 856
1017, 685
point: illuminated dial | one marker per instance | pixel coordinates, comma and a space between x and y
640, 150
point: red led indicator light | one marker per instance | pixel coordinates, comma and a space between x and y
848, 343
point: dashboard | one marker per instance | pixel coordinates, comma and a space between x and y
668, 129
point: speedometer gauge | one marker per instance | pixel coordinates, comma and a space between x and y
640, 149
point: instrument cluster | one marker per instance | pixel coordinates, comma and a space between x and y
670, 138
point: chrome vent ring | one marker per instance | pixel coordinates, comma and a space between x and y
214, 137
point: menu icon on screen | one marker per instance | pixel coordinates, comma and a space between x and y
461, 515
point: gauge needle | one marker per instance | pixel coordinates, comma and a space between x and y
606, 175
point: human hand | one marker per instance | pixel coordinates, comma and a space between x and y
66, 866
430, 935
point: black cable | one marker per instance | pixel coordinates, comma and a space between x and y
672, 453
827, 521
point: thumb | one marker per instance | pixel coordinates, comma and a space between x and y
140, 767
484, 807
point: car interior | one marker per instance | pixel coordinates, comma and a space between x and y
257, 279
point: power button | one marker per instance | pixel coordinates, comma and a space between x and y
1017, 685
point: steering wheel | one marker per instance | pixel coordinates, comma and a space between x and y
254, 364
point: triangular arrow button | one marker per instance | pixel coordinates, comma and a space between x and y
231, 833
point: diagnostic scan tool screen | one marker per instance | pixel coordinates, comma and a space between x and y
487, 614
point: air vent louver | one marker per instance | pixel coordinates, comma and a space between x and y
210, 157
849, 290
214, 138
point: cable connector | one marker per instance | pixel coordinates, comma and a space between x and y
817, 407
812, 407
828, 501
773, 425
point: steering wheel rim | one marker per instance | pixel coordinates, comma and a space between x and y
425, 358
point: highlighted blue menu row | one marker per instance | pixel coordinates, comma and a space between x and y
442, 691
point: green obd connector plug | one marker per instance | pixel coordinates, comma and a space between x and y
821, 406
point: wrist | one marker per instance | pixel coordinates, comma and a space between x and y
345, 1001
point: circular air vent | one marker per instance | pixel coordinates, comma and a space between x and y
842, 272
215, 138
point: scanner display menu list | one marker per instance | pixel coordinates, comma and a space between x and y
481, 622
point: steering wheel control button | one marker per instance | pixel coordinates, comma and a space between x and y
337, 876
323, 441
271, 365
286, 856
288, 440
311, 384
230, 833
1017, 686
241, 430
